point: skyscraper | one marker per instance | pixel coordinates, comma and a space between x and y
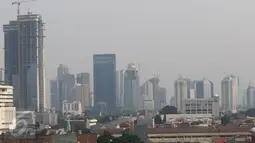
54, 93
30, 85
229, 93
83, 78
83, 95
181, 89
204, 89
104, 68
62, 70
250, 95
120, 88
132, 97
66, 85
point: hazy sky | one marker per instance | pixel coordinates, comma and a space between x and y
196, 38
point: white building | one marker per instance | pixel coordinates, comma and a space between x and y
7, 111
181, 88
229, 93
201, 106
71, 108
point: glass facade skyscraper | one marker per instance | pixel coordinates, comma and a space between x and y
104, 69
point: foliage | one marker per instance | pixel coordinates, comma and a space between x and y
168, 110
250, 112
128, 139
108, 138
248, 121
225, 120
157, 119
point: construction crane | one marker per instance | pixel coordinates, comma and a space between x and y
18, 3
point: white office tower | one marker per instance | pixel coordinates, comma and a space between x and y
132, 97
7, 109
181, 87
229, 93
147, 90
120, 88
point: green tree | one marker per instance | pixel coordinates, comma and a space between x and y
225, 120
128, 139
157, 119
106, 138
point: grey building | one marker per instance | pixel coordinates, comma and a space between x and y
204, 89
120, 88
162, 98
66, 86
26, 51
83, 78
250, 95
104, 69
54, 93
132, 96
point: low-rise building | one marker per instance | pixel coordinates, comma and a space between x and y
7, 109
71, 108
201, 106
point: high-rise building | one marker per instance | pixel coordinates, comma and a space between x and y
104, 68
54, 93
162, 97
29, 56
250, 95
66, 85
229, 93
147, 90
83, 95
204, 89
120, 88
132, 97
62, 70
83, 78
182, 89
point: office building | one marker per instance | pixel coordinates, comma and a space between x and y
201, 106
120, 88
7, 109
250, 95
62, 70
132, 97
204, 88
54, 93
147, 90
83, 95
182, 91
229, 93
104, 69
161, 98
155, 84
83, 78
30, 85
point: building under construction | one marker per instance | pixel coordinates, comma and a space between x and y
24, 61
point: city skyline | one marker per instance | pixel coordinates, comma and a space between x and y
203, 35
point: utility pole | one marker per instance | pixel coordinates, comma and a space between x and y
18, 3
